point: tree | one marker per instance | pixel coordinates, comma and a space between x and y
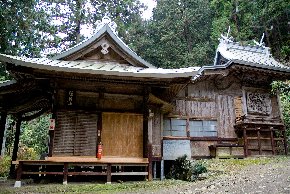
72, 16
178, 34
25, 28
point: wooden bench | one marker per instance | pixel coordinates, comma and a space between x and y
106, 163
226, 150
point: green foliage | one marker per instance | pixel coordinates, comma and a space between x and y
177, 36
284, 89
185, 169
34, 136
26, 153
72, 16
25, 26
4, 166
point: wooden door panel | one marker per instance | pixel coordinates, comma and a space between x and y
122, 134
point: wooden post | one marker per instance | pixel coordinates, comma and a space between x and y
147, 146
2, 128
272, 141
18, 175
285, 141
154, 170
65, 173
15, 147
145, 121
259, 140
19, 171
162, 170
109, 173
245, 141
150, 162
51, 132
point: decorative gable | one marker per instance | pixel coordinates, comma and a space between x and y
104, 46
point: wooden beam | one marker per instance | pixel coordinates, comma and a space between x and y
2, 128
37, 114
15, 147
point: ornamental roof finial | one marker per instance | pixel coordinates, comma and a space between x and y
227, 38
107, 20
261, 43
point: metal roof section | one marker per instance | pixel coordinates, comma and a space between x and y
109, 27
98, 68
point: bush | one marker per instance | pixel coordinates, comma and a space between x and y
4, 166
26, 153
185, 169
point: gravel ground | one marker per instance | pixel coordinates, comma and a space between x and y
263, 178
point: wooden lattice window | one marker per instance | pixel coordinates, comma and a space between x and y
174, 127
203, 128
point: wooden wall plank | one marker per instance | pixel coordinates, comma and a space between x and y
156, 134
226, 118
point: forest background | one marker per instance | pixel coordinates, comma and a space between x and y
180, 33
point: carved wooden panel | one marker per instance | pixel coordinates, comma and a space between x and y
238, 108
258, 103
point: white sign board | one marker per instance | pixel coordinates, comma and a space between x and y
172, 149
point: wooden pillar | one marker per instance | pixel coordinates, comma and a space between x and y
53, 116
162, 177
259, 140
109, 173
272, 141
15, 147
65, 173
18, 175
2, 128
145, 121
285, 141
147, 146
245, 141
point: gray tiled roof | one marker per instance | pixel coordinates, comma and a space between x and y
98, 68
257, 56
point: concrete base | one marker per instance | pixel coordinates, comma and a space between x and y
17, 184
108, 182
64, 182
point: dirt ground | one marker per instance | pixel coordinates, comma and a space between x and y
247, 176
273, 178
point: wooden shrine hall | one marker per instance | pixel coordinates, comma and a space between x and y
101, 92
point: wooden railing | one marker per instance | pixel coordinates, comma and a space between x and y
39, 167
